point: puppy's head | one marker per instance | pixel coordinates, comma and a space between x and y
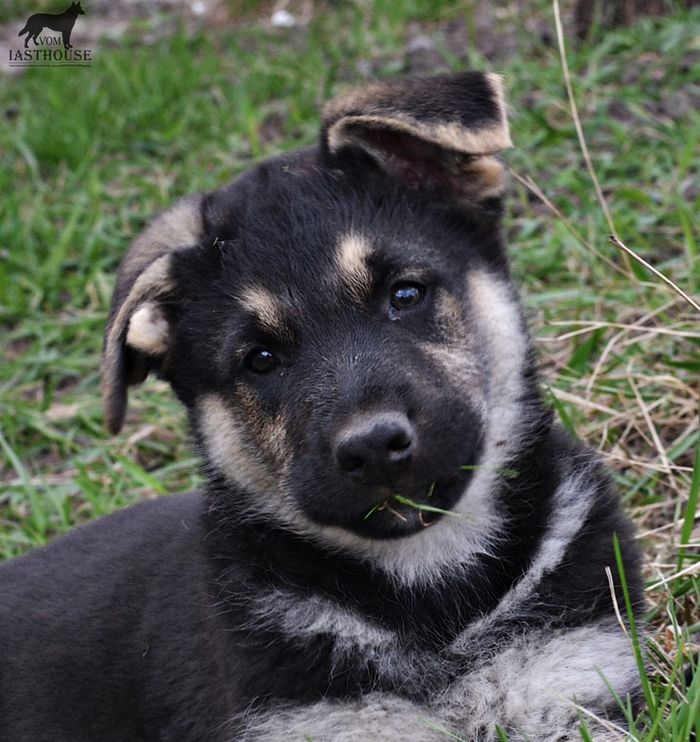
338, 321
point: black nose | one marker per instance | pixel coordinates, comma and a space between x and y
375, 447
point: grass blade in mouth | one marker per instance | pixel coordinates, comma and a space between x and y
384, 504
374, 508
421, 507
427, 508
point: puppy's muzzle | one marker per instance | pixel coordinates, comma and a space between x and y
376, 448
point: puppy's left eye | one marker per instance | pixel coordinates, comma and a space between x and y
261, 361
406, 294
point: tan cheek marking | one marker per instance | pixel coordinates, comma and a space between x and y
450, 316
460, 366
267, 309
351, 260
456, 356
497, 317
231, 447
270, 433
497, 320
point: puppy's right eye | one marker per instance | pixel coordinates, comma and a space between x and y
406, 294
261, 361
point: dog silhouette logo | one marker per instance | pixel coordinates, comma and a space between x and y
62, 22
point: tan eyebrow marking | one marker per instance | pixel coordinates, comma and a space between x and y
351, 260
267, 310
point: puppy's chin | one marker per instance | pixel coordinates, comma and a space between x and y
388, 514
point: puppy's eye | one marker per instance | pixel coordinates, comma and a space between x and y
405, 295
261, 361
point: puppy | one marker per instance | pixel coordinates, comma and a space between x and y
395, 541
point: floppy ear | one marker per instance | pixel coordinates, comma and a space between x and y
433, 132
138, 329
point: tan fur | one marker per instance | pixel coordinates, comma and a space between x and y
351, 259
372, 99
454, 136
450, 315
364, 97
489, 175
144, 275
179, 226
572, 503
154, 282
371, 108
148, 330
457, 359
498, 90
486, 175
267, 309
229, 445
497, 324
462, 372
270, 432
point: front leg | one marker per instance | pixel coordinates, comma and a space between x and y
377, 717
534, 688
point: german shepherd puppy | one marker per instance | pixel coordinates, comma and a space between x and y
395, 540
62, 22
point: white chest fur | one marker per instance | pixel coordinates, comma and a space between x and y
534, 686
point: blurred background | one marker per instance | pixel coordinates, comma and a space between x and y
183, 96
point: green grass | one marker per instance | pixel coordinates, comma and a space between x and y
92, 153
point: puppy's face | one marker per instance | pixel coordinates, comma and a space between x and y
327, 350
322, 325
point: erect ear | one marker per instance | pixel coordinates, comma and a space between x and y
138, 329
432, 132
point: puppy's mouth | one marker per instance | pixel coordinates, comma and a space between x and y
397, 502
399, 514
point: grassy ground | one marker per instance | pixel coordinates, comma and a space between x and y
91, 153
